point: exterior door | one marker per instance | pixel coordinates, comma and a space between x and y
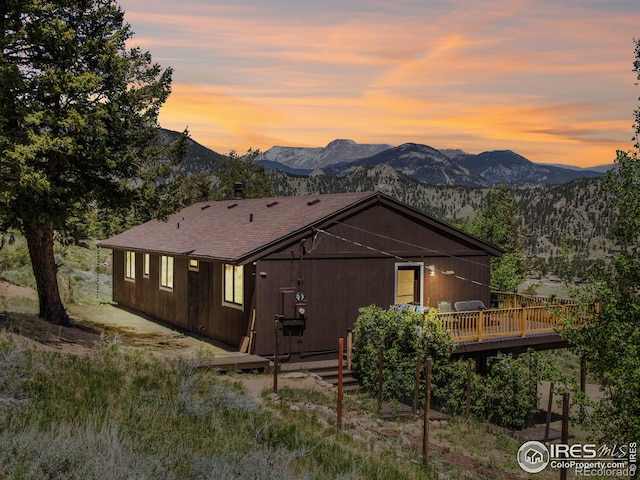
409, 284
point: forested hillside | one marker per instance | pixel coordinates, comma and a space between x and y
565, 226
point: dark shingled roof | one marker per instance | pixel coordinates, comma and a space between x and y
232, 229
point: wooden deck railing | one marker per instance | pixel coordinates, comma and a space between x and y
534, 315
516, 300
528, 315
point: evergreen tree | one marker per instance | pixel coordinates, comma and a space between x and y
498, 224
609, 341
235, 168
78, 125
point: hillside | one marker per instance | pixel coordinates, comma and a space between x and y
561, 223
124, 397
199, 159
505, 166
420, 162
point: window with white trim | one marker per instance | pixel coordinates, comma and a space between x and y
146, 268
130, 266
233, 284
166, 272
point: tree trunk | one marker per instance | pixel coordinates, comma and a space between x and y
40, 242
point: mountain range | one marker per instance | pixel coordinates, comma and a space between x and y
424, 163
565, 210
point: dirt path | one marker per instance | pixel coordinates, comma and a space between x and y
96, 323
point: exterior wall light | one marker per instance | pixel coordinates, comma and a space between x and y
432, 271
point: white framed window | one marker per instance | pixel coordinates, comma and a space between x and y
166, 272
130, 266
194, 265
409, 283
146, 268
233, 285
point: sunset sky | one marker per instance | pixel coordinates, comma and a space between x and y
549, 80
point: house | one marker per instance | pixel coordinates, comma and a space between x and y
228, 269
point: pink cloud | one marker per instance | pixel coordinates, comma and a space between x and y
553, 79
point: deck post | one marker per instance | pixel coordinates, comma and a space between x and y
480, 325
276, 367
468, 409
416, 393
523, 321
549, 407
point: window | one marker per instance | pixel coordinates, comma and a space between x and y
166, 272
194, 265
409, 283
130, 266
233, 284
147, 261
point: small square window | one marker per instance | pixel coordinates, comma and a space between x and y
194, 265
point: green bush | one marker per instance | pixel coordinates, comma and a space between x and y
512, 398
401, 334
452, 393
507, 396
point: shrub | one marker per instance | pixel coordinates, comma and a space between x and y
452, 393
512, 394
507, 396
401, 334
14, 367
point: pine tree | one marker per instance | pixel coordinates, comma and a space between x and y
78, 123
609, 342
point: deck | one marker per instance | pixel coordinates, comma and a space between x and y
518, 320
236, 361
491, 324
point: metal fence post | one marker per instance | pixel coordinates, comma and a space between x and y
427, 413
339, 409
380, 360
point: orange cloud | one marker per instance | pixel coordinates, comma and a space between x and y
552, 83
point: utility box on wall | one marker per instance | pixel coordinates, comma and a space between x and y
292, 312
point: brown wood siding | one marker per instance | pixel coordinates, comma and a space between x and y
339, 277
145, 294
223, 322
195, 303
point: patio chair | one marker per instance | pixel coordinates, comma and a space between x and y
475, 305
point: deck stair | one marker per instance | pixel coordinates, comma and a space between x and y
327, 370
